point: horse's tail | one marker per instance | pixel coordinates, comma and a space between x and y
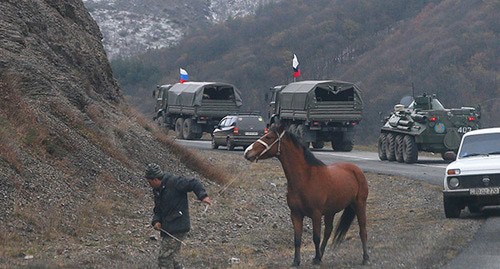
343, 225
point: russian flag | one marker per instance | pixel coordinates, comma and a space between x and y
295, 66
184, 76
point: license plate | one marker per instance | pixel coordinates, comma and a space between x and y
251, 133
485, 191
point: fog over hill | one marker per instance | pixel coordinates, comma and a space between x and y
131, 27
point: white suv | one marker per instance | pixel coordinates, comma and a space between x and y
473, 180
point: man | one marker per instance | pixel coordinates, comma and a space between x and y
171, 211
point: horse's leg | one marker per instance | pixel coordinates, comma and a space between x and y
297, 221
361, 215
328, 232
316, 221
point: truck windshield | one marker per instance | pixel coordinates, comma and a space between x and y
483, 144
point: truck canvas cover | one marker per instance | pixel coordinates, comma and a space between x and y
321, 100
191, 94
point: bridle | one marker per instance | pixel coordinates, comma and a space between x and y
268, 147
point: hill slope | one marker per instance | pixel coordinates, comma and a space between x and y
131, 27
72, 152
444, 47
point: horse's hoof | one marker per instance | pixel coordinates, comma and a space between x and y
295, 264
366, 261
316, 261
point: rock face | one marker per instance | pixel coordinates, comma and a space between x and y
131, 27
54, 45
72, 152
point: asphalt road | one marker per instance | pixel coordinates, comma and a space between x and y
483, 251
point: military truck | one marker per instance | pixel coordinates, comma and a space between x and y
423, 124
191, 108
318, 111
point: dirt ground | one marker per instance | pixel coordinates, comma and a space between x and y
248, 226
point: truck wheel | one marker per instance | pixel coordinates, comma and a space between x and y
399, 148
318, 144
214, 145
301, 133
390, 147
187, 130
381, 147
410, 150
293, 129
179, 123
451, 208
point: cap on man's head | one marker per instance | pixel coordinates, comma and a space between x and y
153, 171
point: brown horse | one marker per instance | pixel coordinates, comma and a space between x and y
316, 190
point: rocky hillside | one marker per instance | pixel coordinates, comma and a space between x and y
131, 27
72, 152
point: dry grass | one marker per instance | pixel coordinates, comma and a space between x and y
186, 156
18, 122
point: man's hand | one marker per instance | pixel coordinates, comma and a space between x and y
157, 226
207, 200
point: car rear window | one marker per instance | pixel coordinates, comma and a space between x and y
251, 121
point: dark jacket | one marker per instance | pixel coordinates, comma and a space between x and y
171, 202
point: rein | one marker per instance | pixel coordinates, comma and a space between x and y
268, 147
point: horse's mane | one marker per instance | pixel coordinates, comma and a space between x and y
308, 155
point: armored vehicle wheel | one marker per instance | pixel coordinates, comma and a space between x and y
301, 134
381, 147
318, 144
410, 150
229, 144
213, 144
178, 128
390, 147
451, 208
187, 129
399, 148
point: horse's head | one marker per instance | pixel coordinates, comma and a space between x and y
267, 146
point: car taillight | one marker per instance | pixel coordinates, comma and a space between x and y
266, 130
471, 118
432, 119
235, 130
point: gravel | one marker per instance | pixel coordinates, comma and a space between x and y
248, 226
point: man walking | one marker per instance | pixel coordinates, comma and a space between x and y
171, 211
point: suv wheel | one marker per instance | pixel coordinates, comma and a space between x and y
214, 145
474, 209
229, 144
451, 208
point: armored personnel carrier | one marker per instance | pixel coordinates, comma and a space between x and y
423, 124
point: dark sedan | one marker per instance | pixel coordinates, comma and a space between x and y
238, 130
